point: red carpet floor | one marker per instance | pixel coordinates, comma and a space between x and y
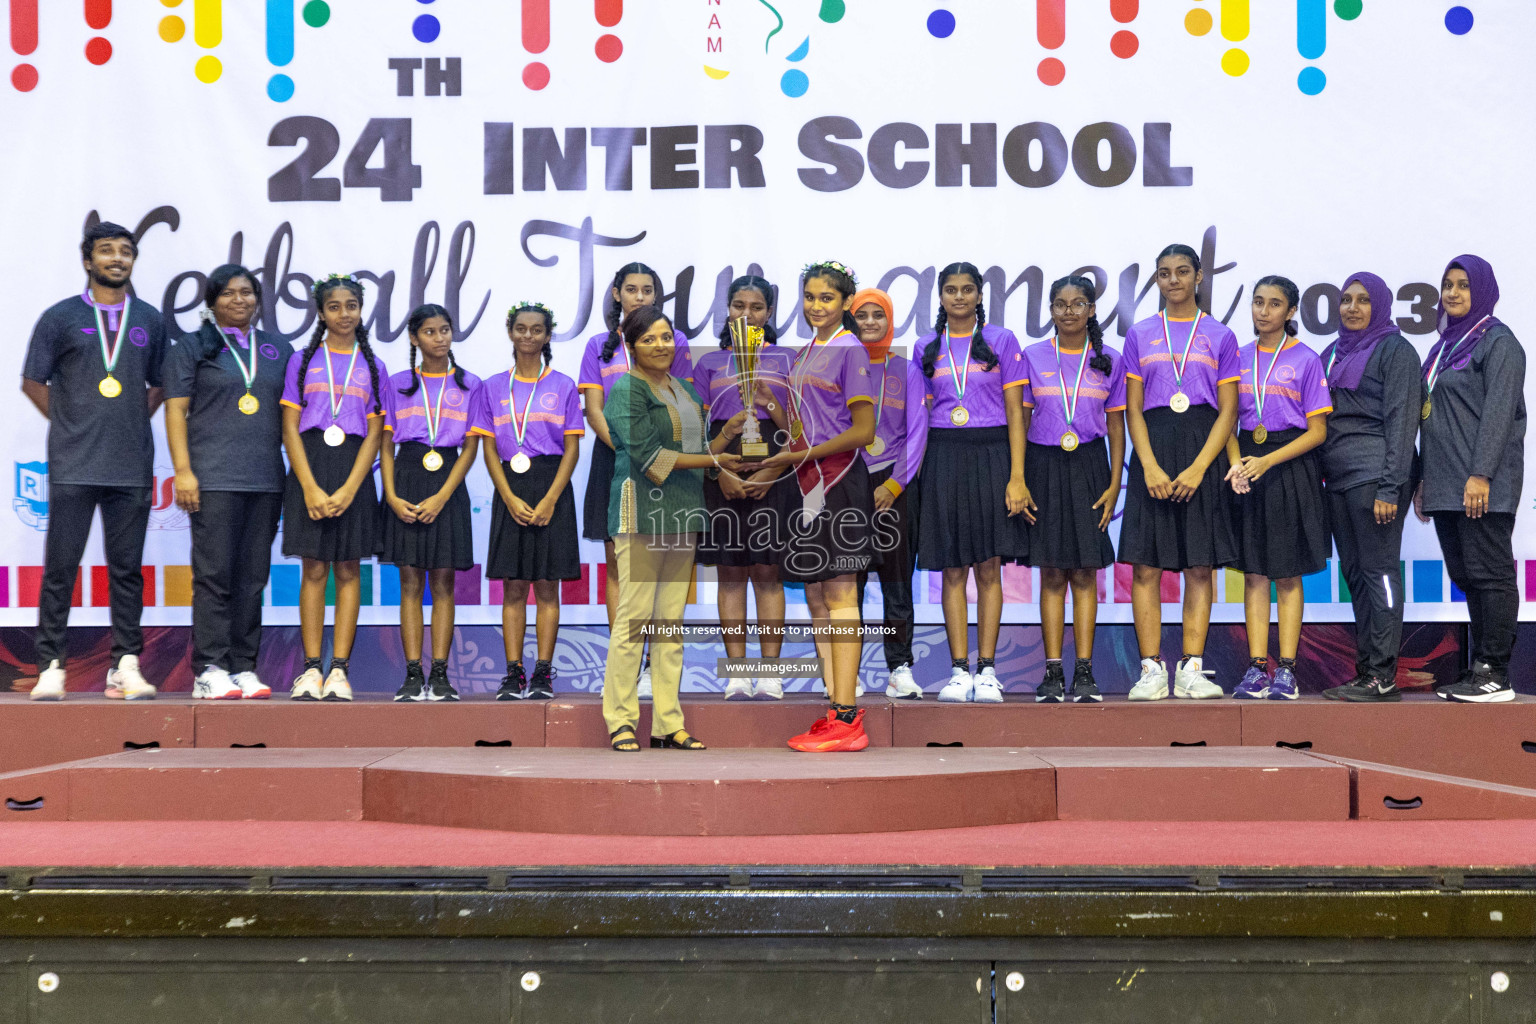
373, 844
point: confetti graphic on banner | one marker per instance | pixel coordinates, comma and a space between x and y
24, 43
941, 23
1458, 21
280, 41
426, 28
1051, 32
207, 32
608, 47
535, 38
1312, 37
1124, 44
1235, 25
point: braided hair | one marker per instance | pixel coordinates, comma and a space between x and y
615, 310
413, 323
549, 327
751, 283
209, 334
1100, 361
322, 289
843, 282
979, 348
1289, 290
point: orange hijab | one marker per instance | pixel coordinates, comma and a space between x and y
877, 350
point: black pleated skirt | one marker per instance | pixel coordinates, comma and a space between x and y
749, 531
532, 553
962, 504
1282, 523
840, 541
594, 507
445, 543
1065, 485
1177, 535
350, 537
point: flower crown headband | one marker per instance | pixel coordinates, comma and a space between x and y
324, 283
830, 265
523, 307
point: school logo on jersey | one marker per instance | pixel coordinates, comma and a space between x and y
1285, 373
269, 351
31, 501
548, 401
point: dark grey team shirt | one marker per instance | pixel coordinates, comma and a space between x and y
1371, 429
1478, 426
94, 440
230, 451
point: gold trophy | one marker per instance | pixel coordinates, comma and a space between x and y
746, 351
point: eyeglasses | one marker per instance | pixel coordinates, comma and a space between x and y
1076, 307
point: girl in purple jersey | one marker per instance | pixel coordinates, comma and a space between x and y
1279, 514
1074, 418
330, 507
427, 523
1181, 403
972, 494
603, 362
533, 420
747, 512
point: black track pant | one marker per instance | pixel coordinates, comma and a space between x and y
124, 518
232, 534
1371, 556
1480, 557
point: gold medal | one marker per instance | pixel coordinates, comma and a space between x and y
432, 462
1069, 441
334, 435
1429, 407
109, 387
796, 429
876, 448
521, 463
958, 416
1260, 434
249, 403
1179, 402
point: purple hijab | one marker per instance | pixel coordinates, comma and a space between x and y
1455, 333
1352, 350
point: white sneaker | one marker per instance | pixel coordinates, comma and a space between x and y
126, 682
769, 689
336, 686
307, 686
50, 683
644, 684
251, 686
1190, 682
960, 687
738, 689
215, 684
1153, 684
902, 686
987, 689
858, 688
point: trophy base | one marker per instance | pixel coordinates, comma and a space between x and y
754, 451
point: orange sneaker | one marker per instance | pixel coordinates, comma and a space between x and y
830, 735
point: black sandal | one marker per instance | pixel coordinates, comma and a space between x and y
617, 739
679, 740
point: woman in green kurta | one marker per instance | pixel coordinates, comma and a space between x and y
655, 514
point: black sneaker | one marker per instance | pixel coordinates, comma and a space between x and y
1085, 689
438, 686
542, 685
414, 687
514, 685
1365, 691
1485, 687
1052, 688
1461, 680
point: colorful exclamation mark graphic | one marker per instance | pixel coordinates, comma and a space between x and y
426, 28
609, 47
535, 40
1311, 43
207, 32
1051, 31
24, 42
280, 40
1124, 44
98, 15
1234, 29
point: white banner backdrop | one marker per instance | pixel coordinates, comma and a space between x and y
478, 153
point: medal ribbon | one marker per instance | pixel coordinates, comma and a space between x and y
1261, 387
797, 376
1434, 371
1070, 408
110, 352
330, 376
815, 477
1179, 365
960, 374
519, 429
433, 421
249, 375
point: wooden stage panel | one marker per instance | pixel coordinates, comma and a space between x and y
578, 721
1385, 793
1116, 723
369, 723
44, 733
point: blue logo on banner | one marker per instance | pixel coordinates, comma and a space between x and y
31, 503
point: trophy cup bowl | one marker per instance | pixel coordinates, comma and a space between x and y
746, 347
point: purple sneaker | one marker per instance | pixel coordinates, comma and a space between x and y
1255, 685
1283, 686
